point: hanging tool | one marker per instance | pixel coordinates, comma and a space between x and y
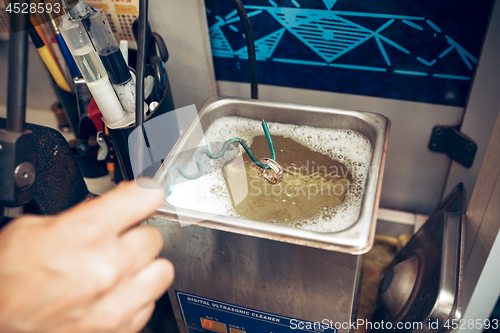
273, 165
49, 60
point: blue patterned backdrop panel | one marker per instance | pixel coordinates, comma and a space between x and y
420, 50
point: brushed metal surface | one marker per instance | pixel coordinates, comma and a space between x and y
285, 279
436, 295
398, 284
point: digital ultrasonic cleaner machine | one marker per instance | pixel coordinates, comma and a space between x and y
236, 275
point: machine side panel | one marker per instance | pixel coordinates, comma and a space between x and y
275, 277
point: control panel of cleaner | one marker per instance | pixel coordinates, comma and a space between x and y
202, 314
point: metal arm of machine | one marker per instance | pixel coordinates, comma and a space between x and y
17, 145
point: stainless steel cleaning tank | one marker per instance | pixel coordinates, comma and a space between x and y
235, 275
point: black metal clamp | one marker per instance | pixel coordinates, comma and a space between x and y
459, 147
17, 145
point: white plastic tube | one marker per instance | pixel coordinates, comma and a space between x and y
112, 58
92, 69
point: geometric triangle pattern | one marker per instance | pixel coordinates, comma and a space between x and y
329, 3
329, 35
301, 43
220, 44
264, 47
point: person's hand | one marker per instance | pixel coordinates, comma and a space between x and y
89, 269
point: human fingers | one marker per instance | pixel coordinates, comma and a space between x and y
112, 313
126, 205
141, 318
140, 246
147, 285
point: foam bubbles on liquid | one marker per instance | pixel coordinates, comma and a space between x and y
210, 194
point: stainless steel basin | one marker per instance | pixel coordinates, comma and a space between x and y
356, 239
